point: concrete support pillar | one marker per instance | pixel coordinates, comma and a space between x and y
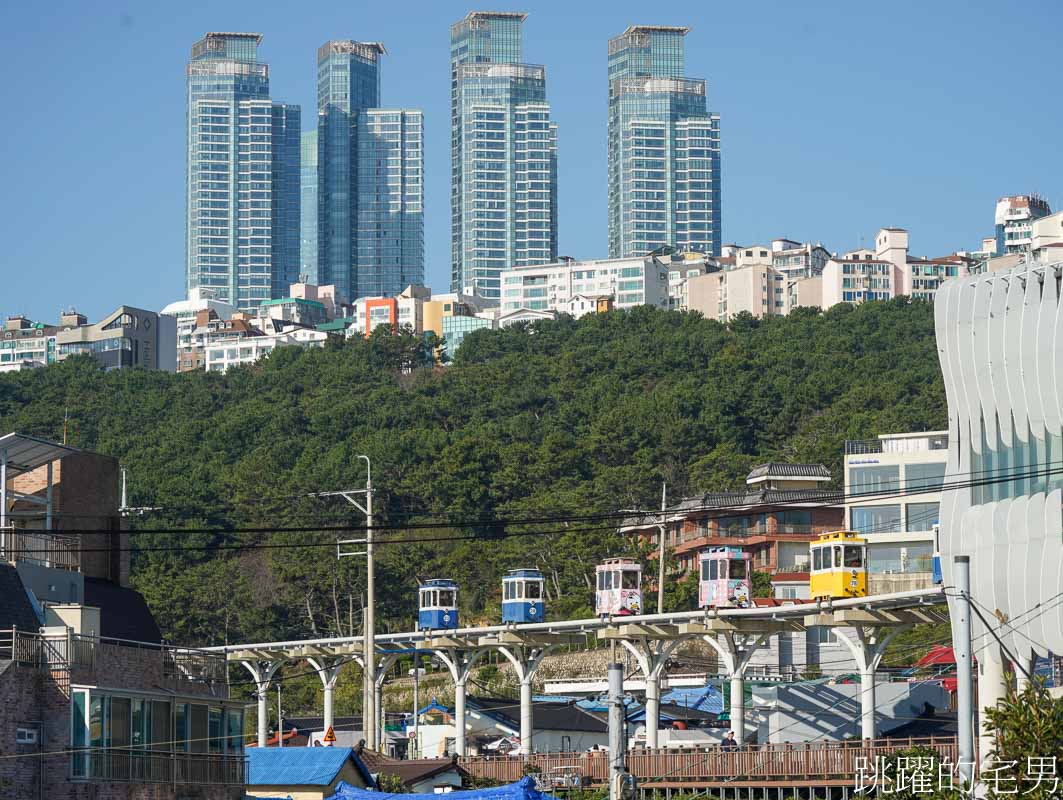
992, 688
527, 729
460, 665
262, 673
867, 647
459, 718
867, 703
651, 656
526, 661
738, 705
378, 698
735, 650
653, 710
328, 669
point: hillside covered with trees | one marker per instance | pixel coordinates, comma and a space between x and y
564, 420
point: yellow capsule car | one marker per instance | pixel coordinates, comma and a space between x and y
838, 566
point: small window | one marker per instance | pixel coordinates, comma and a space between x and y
631, 579
713, 569
26, 736
601, 581
817, 558
837, 555
738, 569
706, 568
854, 556
533, 590
446, 598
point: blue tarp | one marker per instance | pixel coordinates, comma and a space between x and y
298, 766
522, 790
703, 698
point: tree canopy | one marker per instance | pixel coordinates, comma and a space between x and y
558, 419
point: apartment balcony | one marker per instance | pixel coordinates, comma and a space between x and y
140, 765
43, 549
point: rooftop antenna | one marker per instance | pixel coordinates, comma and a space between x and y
66, 420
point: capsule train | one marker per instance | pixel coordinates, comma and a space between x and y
837, 569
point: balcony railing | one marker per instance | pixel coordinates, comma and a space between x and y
46, 549
914, 444
158, 766
65, 651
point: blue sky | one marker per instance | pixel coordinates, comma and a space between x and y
837, 118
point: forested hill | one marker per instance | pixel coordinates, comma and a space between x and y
563, 419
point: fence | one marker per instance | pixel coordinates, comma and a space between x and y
47, 549
813, 761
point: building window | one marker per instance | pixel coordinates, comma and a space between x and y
921, 516
924, 477
875, 519
874, 480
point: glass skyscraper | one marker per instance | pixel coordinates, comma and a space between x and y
503, 155
242, 193
308, 207
664, 148
370, 182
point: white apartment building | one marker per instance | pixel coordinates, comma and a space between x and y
184, 312
1046, 238
893, 487
758, 289
549, 287
224, 353
797, 260
1013, 222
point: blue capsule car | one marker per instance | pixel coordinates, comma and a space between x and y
522, 596
439, 605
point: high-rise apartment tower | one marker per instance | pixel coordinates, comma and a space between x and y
503, 155
664, 148
242, 192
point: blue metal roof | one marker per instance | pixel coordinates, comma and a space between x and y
440, 583
522, 573
703, 698
298, 766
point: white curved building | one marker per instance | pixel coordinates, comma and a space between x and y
1000, 342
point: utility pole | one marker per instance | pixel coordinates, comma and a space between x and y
280, 718
961, 643
660, 556
617, 755
369, 716
414, 743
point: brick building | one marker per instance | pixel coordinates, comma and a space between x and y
782, 508
93, 705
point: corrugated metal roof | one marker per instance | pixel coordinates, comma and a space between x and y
25, 453
295, 766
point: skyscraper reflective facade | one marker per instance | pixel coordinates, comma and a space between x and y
503, 155
242, 192
370, 182
664, 148
308, 206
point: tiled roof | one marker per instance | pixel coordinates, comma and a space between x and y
774, 469
409, 771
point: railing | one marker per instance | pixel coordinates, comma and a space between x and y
75, 650
914, 444
835, 760
149, 766
47, 549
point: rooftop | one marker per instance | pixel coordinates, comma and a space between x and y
548, 716
299, 766
474, 15
409, 771
773, 469
26, 453
681, 30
